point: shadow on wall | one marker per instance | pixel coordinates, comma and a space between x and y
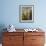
2, 26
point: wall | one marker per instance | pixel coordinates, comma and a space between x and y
9, 13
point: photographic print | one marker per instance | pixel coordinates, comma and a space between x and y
26, 13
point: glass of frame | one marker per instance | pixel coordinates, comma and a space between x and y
26, 13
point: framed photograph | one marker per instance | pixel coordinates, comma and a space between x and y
26, 13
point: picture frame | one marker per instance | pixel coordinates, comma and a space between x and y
26, 13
